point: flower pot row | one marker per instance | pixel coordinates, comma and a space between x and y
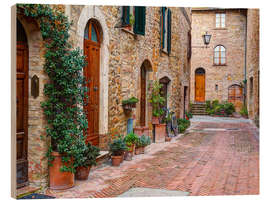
126, 148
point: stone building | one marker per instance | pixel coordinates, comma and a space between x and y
228, 68
125, 58
217, 70
253, 71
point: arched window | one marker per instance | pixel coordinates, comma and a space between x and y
219, 55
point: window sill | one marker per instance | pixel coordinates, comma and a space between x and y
220, 64
220, 28
126, 29
164, 52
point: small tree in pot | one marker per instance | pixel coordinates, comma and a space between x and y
156, 101
85, 160
117, 148
130, 141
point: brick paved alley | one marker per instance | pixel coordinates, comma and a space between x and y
216, 156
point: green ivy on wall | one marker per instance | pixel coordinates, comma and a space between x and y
66, 91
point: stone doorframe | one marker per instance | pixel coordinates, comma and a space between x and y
37, 142
93, 12
149, 68
169, 87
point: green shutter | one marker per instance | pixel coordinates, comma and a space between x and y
163, 26
125, 15
169, 31
139, 25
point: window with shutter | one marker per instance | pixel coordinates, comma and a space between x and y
169, 31
166, 29
139, 25
125, 15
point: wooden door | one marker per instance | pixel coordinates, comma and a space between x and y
235, 96
91, 73
22, 113
143, 96
199, 87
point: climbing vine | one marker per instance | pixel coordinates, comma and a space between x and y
66, 90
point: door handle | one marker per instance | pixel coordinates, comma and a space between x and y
95, 88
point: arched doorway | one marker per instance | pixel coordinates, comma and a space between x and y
164, 91
200, 85
235, 96
92, 41
21, 106
143, 95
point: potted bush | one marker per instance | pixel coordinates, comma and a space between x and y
85, 160
117, 148
141, 143
130, 141
156, 101
130, 103
183, 124
244, 111
64, 92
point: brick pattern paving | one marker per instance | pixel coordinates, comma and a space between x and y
200, 162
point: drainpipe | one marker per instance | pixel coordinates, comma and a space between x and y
245, 63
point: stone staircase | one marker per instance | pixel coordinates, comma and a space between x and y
199, 109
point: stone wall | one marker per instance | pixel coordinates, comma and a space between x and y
232, 37
253, 51
126, 54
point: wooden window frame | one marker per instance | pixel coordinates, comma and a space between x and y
220, 20
219, 56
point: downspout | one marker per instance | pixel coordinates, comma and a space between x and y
245, 64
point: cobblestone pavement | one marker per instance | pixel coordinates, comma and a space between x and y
211, 158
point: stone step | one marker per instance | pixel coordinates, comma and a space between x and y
101, 159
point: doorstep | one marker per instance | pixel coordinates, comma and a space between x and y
102, 158
27, 190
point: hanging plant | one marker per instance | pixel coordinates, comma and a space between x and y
65, 91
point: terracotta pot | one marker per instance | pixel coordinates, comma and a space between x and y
116, 160
60, 180
138, 150
82, 172
160, 133
133, 105
128, 156
168, 139
155, 120
142, 150
122, 157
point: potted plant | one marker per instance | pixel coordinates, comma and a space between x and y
85, 160
156, 101
129, 104
117, 148
141, 143
244, 111
130, 141
64, 93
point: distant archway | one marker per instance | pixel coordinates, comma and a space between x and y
235, 96
165, 81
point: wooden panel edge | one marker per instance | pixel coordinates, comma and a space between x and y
13, 101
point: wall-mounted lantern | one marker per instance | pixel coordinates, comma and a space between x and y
206, 38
